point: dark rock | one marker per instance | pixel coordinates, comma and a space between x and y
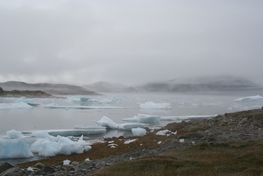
39, 165
1, 90
14, 171
5, 166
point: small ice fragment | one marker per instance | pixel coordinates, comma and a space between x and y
30, 169
181, 140
87, 160
138, 131
130, 141
113, 146
66, 162
159, 142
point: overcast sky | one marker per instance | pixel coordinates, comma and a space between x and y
129, 41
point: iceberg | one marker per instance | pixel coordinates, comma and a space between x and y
138, 131
51, 146
153, 105
110, 124
144, 118
129, 126
14, 146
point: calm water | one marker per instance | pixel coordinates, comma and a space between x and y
64, 113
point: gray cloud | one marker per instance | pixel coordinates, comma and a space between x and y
131, 41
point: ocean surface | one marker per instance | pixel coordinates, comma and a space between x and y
68, 112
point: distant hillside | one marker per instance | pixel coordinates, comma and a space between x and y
201, 84
24, 93
109, 87
55, 89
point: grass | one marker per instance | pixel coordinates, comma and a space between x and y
235, 159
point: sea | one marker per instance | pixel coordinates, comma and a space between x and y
63, 113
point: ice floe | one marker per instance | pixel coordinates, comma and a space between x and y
138, 131
144, 118
250, 98
15, 105
154, 105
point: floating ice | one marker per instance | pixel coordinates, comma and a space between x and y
138, 131
110, 124
153, 105
129, 126
130, 141
53, 106
144, 118
16, 105
249, 98
180, 118
165, 133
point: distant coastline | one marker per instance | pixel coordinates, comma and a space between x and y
24, 93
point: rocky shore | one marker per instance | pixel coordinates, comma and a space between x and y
229, 144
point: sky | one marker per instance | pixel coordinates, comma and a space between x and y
129, 41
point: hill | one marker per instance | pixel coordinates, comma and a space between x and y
55, 89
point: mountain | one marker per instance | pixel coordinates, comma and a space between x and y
202, 84
110, 87
55, 89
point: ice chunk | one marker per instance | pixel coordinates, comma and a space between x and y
13, 134
144, 118
165, 133
52, 146
138, 131
107, 122
249, 98
14, 148
181, 140
129, 126
110, 124
130, 141
153, 105
66, 162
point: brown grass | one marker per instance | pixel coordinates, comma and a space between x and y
242, 159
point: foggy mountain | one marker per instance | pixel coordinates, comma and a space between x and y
56, 89
200, 84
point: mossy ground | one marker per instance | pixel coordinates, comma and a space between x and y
243, 158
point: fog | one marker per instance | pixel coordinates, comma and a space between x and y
129, 41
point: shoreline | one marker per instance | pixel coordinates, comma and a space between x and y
225, 132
